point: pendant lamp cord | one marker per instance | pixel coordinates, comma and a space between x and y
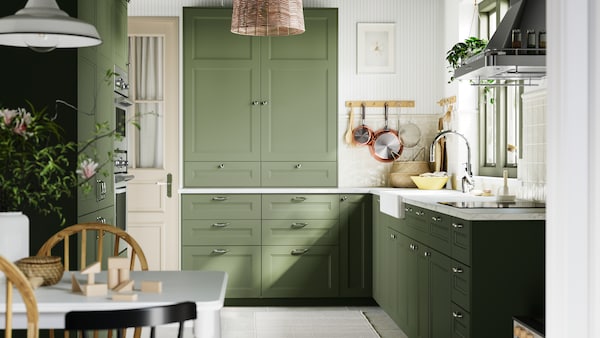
475, 13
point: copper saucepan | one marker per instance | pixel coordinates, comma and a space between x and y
386, 145
363, 135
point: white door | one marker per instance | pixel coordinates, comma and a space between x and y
152, 199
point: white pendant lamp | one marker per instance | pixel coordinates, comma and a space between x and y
267, 17
42, 26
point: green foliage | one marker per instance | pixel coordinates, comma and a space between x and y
461, 51
35, 162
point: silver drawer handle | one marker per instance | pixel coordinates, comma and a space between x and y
436, 219
221, 166
299, 252
299, 199
457, 314
457, 270
220, 225
219, 198
457, 226
220, 251
427, 254
419, 213
298, 166
392, 236
408, 209
413, 247
298, 225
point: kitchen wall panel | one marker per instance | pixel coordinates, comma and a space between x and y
420, 73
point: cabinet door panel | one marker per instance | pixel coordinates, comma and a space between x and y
461, 240
295, 174
220, 206
461, 322
440, 279
356, 246
300, 207
290, 271
300, 232
242, 264
221, 232
221, 174
461, 285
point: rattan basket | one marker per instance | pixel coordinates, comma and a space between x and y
50, 268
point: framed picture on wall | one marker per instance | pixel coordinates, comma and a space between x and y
375, 48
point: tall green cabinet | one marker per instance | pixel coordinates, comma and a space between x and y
259, 111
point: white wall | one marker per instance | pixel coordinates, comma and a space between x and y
420, 75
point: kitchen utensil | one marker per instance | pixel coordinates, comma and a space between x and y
348, 137
410, 134
386, 145
363, 135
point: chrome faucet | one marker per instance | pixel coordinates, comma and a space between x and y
468, 183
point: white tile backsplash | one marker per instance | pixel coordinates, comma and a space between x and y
532, 166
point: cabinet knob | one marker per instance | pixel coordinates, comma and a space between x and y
427, 254
101, 219
219, 251
413, 247
408, 209
221, 166
419, 213
298, 166
392, 236
457, 270
299, 252
457, 225
264, 103
220, 224
457, 314
344, 198
436, 219
255, 103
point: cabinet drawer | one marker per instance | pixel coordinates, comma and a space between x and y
220, 206
221, 174
440, 233
300, 232
461, 322
461, 285
221, 232
296, 271
417, 223
242, 264
300, 207
461, 240
299, 174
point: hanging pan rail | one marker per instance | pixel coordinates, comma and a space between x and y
390, 104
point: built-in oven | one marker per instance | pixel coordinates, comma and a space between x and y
121, 109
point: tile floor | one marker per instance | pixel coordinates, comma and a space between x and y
240, 322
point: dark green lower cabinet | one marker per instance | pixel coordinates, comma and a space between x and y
290, 271
242, 264
356, 246
461, 322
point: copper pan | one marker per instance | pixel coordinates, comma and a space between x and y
386, 145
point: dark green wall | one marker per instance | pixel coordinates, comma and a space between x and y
41, 78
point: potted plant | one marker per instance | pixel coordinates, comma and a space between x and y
461, 51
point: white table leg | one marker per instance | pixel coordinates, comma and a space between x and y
208, 324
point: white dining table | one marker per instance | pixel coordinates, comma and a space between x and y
206, 288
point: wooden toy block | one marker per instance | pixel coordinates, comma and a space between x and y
91, 271
125, 296
113, 278
124, 286
75, 286
152, 286
118, 263
93, 290
123, 275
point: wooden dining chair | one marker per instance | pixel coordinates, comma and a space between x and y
100, 233
120, 320
16, 278
88, 245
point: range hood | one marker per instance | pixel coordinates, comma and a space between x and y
499, 61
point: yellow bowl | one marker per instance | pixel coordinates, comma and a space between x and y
430, 182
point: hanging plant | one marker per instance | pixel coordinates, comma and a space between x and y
461, 51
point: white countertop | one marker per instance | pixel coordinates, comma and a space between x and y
422, 198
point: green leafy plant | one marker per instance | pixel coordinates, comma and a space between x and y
461, 51
37, 166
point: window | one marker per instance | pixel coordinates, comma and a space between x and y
500, 107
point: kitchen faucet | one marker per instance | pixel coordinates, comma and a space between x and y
468, 183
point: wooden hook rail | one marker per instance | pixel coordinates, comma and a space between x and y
447, 100
391, 104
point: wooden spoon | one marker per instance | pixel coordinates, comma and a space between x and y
349, 137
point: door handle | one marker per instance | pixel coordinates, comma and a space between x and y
169, 184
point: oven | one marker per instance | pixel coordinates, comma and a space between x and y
121, 109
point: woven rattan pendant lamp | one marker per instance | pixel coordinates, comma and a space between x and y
267, 17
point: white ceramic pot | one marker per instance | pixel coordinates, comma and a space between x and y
14, 235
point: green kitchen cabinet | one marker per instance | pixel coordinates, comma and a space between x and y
101, 216
300, 206
356, 246
242, 264
261, 107
300, 271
